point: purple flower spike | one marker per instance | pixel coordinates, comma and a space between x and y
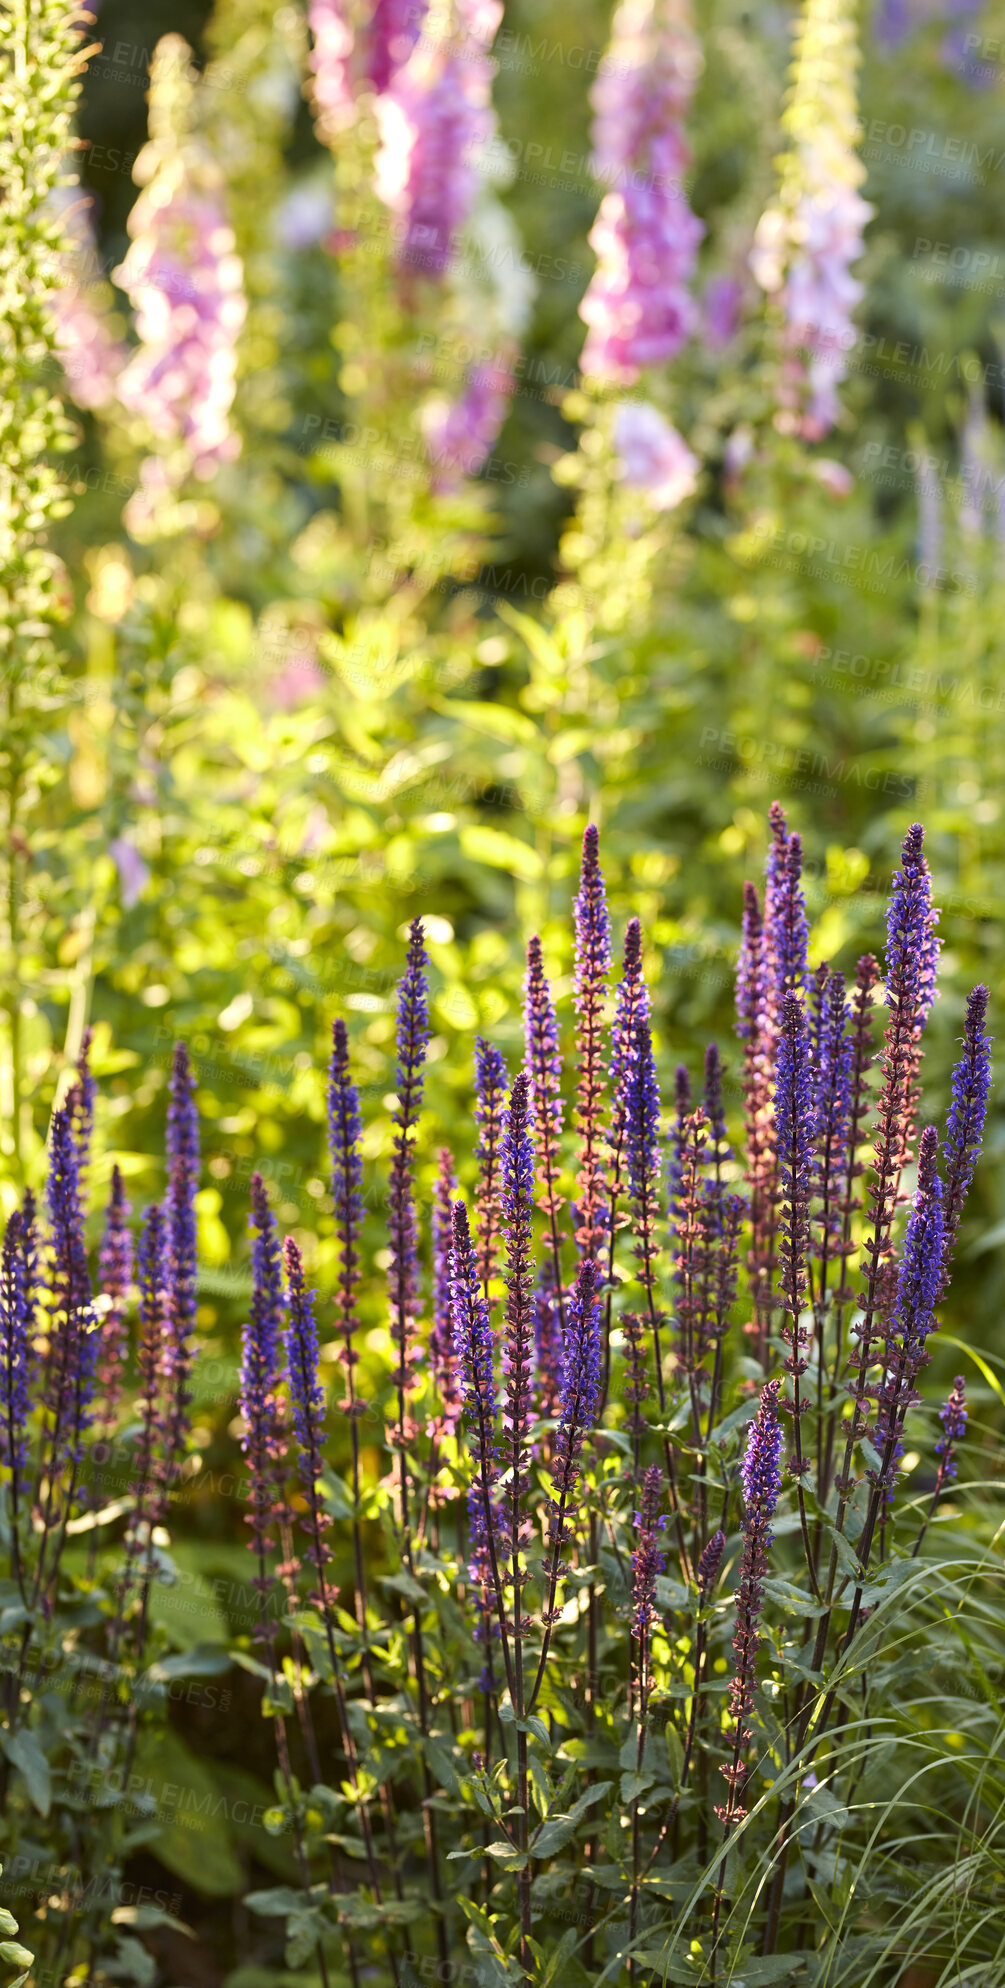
543, 1064
403, 1274
953, 1416
345, 1128
711, 1560
788, 930
71, 1285
648, 1557
442, 1357
260, 1440
642, 1118
592, 966
632, 1007
965, 1124
581, 1383
80, 1103
675, 1164
919, 1284
307, 1400
473, 1348
761, 1475
518, 1212
15, 1354
491, 1085
182, 1260
115, 1270
718, 1139
912, 953
151, 1272
795, 1118
548, 1342
833, 1056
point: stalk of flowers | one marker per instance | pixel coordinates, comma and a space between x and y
403, 1274
638, 307
918, 1283
115, 1276
149, 1482
518, 1212
648, 1561
859, 1110
356, 50
185, 282
434, 115
345, 1126
719, 1150
580, 1400
965, 1124
182, 1156
92, 358
762, 1482
953, 1416
491, 1084
911, 964
639, 1111
15, 1371
631, 1008
74, 1345
473, 1346
810, 236
307, 1403
548, 1350
543, 1063
832, 1059
80, 1105
754, 1027
592, 966
442, 1354
796, 1122
459, 434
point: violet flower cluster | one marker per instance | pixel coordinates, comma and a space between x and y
433, 118
638, 307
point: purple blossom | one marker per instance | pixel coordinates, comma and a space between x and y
638, 308
491, 1085
432, 119
518, 1213
953, 1416
115, 1270
965, 1124
544, 1071
181, 1252
761, 1476
16, 1358
413, 1033
260, 1439
592, 967
648, 1557
442, 1357
80, 1104
395, 26
330, 59
459, 434
787, 926
154, 1426
345, 1128
632, 1006
821, 294
72, 1370
548, 1348
307, 1399
707, 1570
473, 1350
581, 1378
652, 456
919, 1283
912, 951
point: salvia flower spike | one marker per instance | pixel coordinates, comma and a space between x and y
953, 1416
592, 967
965, 1124
261, 1439
15, 1371
345, 1128
442, 1356
413, 1033
543, 1064
491, 1085
115, 1268
181, 1244
762, 1481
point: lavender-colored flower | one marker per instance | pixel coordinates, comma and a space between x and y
91, 356
133, 872
592, 966
707, 1571
751, 969
645, 237
115, 1271
761, 1475
518, 1213
548, 1348
632, 1006
953, 1416
70, 1282
491, 1085
473, 1349
260, 1439
307, 1399
395, 26
543, 1063
912, 951
796, 1122
718, 1147
432, 119
459, 434
150, 1473
581, 1382
181, 1254
787, 926
403, 1273
648, 1557
72, 1370
652, 456
722, 305
675, 1162
15, 1353
642, 1118
919, 1283
80, 1104
965, 1124
345, 1128
442, 1356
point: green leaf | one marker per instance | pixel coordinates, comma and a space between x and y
675, 1755
23, 1750
276, 1903
501, 851
560, 1829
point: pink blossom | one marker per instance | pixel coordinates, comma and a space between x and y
432, 120
645, 236
134, 873
460, 434
653, 456
834, 477
330, 58
91, 357
821, 293
292, 686
184, 280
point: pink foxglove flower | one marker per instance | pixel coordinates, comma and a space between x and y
459, 434
653, 456
433, 119
638, 307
